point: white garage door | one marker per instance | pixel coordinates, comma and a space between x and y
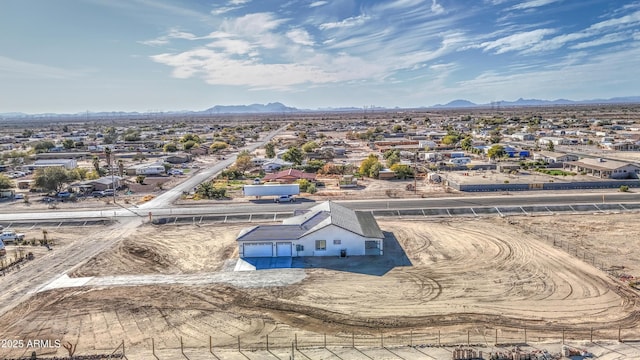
283, 249
258, 250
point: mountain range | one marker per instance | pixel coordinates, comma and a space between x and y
277, 107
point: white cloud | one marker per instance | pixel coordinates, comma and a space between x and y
348, 22
318, 3
624, 21
232, 46
238, 2
516, 42
436, 8
607, 39
532, 4
300, 36
612, 71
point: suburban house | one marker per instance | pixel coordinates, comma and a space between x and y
604, 168
146, 169
289, 176
65, 163
178, 158
554, 157
327, 229
275, 165
105, 182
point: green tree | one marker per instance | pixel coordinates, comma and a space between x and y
550, 146
294, 155
309, 146
43, 146
367, 164
120, 168
393, 159
390, 153
495, 136
80, 173
449, 139
188, 145
170, 147
207, 190
397, 128
374, 171
402, 171
52, 179
270, 150
107, 156
190, 137
5, 182
243, 161
132, 136
218, 145
96, 166
496, 151
313, 166
110, 136
68, 144
466, 143
140, 179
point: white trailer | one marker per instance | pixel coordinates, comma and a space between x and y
271, 190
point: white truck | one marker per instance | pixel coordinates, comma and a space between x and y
271, 190
8, 236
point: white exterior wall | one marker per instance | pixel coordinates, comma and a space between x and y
151, 170
625, 172
353, 243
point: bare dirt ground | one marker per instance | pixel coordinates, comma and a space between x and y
476, 275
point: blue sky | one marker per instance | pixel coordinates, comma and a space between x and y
70, 56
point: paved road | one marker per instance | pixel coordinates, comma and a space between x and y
266, 206
167, 198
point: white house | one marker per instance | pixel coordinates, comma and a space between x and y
65, 163
275, 165
327, 229
156, 168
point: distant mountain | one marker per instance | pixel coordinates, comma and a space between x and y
457, 104
275, 107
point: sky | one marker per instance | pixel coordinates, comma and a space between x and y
70, 56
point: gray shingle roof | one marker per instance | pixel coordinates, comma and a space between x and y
317, 217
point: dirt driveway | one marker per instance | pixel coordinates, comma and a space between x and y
452, 275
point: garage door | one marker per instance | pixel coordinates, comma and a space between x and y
283, 249
258, 250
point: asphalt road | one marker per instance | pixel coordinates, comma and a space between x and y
266, 206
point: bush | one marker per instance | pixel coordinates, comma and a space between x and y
624, 188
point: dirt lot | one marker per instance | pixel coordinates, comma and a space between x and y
479, 274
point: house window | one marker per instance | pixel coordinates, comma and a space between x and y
299, 247
321, 245
337, 242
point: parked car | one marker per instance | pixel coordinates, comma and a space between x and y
11, 236
49, 199
285, 198
175, 172
18, 197
108, 192
3, 251
63, 194
97, 194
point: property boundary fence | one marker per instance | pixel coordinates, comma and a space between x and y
484, 338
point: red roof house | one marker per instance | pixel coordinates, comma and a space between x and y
289, 176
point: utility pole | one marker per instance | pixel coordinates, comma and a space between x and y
415, 172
